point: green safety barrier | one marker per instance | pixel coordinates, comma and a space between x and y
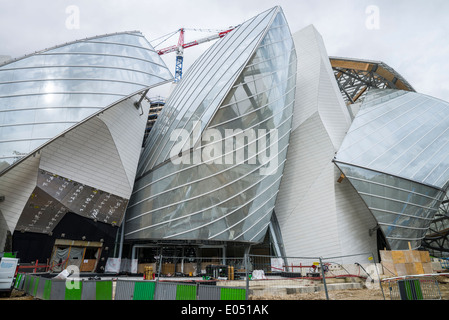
47, 289
22, 282
9, 254
103, 290
74, 291
410, 290
232, 294
29, 287
27, 283
18, 279
36, 283
185, 292
144, 290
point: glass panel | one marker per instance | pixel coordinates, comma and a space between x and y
403, 135
403, 208
198, 88
220, 200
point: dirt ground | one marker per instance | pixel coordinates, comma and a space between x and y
17, 295
352, 294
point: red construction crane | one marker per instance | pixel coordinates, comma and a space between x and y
179, 48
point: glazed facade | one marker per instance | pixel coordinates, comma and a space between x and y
72, 121
394, 156
264, 131
245, 85
45, 93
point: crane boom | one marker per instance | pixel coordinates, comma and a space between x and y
179, 48
207, 39
192, 43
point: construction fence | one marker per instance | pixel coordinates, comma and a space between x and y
417, 287
44, 288
311, 277
250, 278
270, 277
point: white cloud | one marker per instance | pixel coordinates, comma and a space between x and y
412, 37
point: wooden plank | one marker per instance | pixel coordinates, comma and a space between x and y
401, 86
401, 269
88, 265
425, 256
78, 243
351, 65
398, 256
389, 268
385, 73
385, 255
427, 267
357, 96
410, 268
419, 267
412, 256
406, 262
408, 256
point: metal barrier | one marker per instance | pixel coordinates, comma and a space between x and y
414, 288
270, 277
144, 290
19, 281
187, 278
168, 290
45, 288
206, 292
125, 290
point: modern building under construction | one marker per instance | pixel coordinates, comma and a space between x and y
266, 145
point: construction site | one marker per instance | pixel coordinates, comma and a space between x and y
270, 171
402, 275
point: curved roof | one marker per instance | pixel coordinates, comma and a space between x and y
246, 84
209, 79
47, 92
395, 157
401, 133
88, 169
355, 77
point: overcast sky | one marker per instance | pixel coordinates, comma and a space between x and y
412, 36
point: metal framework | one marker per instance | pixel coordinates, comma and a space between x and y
356, 77
179, 48
156, 106
437, 238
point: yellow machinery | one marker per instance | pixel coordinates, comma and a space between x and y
148, 274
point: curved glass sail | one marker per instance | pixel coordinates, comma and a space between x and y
45, 93
394, 155
403, 134
196, 100
214, 163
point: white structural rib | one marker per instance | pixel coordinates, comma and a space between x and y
93, 153
317, 215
